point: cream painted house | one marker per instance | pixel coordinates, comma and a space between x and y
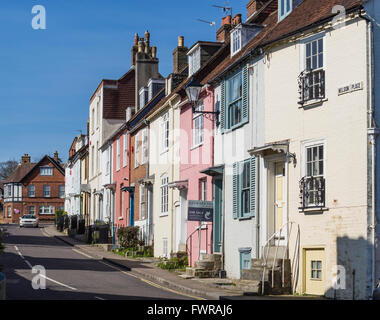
164, 169
316, 160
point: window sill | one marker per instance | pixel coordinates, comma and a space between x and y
164, 215
235, 127
245, 218
196, 146
120, 218
312, 103
164, 151
309, 210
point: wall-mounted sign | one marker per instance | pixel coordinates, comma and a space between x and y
200, 211
351, 88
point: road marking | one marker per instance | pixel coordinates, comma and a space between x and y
152, 283
60, 283
16, 248
82, 253
20, 254
99, 298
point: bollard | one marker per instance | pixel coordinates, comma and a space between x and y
2, 286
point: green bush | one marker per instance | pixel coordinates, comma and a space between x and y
128, 237
177, 263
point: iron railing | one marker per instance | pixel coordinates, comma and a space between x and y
312, 192
311, 85
276, 241
189, 248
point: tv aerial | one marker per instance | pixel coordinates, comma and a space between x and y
226, 9
211, 23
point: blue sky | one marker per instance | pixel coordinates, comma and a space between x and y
48, 76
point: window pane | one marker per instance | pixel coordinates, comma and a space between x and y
315, 65
315, 153
314, 47
321, 168
308, 50
320, 45
320, 58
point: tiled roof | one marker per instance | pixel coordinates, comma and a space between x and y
19, 173
308, 13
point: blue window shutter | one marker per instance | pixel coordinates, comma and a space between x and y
253, 187
223, 106
245, 93
235, 190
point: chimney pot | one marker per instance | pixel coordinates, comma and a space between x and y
237, 20
136, 41
56, 156
154, 52
181, 41
141, 47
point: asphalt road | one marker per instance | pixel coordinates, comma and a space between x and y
70, 275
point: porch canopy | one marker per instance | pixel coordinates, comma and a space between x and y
213, 171
180, 185
147, 181
270, 149
130, 189
111, 186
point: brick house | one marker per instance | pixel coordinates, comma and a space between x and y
34, 188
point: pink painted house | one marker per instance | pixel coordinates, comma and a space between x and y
121, 176
196, 155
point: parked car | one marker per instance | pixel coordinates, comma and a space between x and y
29, 220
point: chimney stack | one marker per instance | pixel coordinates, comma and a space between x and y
56, 156
223, 33
180, 56
253, 6
25, 159
154, 52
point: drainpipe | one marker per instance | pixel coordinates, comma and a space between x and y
372, 132
147, 208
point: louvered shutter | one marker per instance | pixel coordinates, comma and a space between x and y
223, 106
253, 187
235, 190
245, 93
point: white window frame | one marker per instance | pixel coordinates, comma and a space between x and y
125, 149
61, 191
46, 188
203, 189
309, 144
42, 210
142, 202
165, 133
194, 60
164, 208
9, 212
46, 171
236, 41
32, 191
286, 11
144, 146
198, 120
33, 211
118, 154
98, 113
137, 150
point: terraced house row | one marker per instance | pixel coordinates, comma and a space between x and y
257, 154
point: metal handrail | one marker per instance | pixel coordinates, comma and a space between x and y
189, 252
265, 254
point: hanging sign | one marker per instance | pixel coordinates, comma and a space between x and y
200, 211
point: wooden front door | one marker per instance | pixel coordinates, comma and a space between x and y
279, 195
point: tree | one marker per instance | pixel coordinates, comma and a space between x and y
6, 168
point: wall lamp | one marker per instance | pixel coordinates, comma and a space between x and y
193, 90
